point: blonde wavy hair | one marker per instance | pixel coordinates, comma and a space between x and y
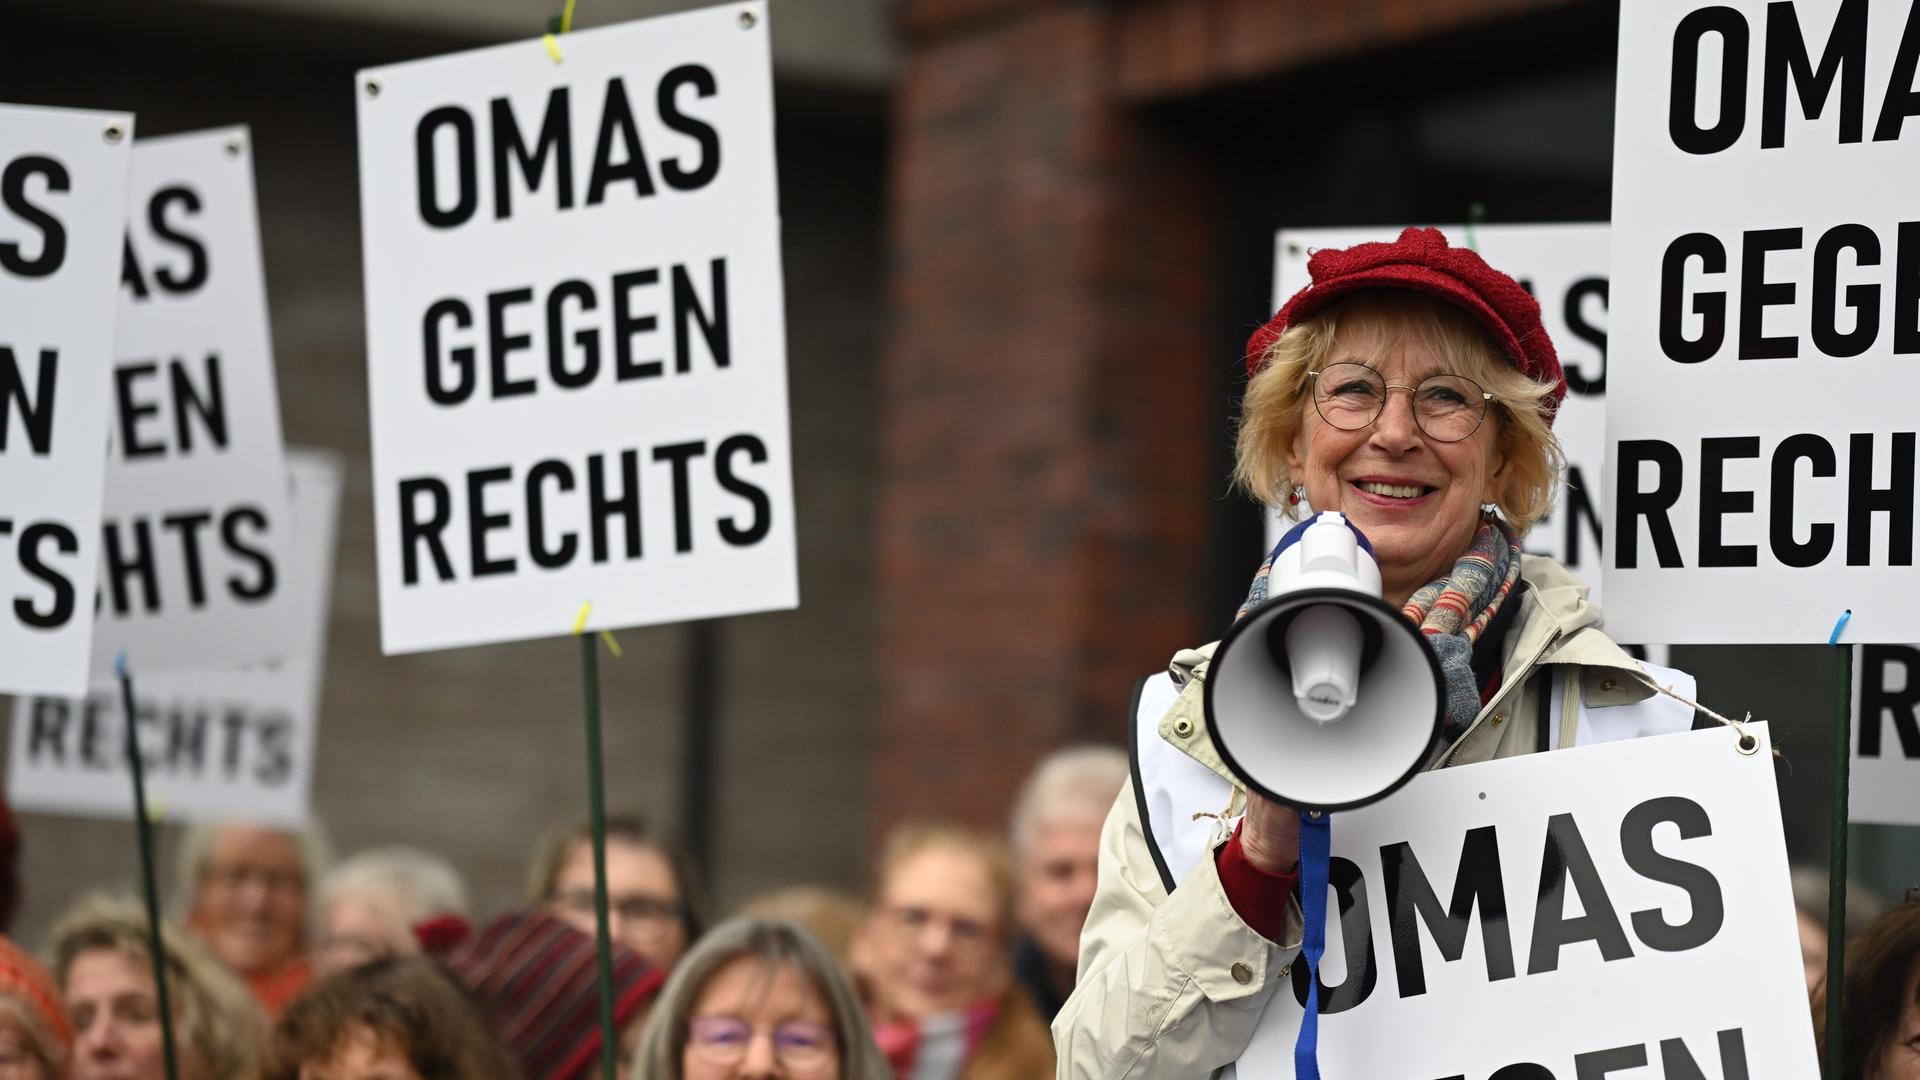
1277, 400
223, 1030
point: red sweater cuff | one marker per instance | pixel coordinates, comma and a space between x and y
1259, 898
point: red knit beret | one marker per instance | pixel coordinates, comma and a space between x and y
534, 976
1422, 260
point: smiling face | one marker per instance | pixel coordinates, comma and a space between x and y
1417, 499
252, 904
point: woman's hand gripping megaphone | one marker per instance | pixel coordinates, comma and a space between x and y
1270, 835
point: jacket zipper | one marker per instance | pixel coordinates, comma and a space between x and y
1527, 670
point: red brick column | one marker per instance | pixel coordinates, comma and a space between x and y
1046, 415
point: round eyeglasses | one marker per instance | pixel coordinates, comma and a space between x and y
804, 1048
1448, 408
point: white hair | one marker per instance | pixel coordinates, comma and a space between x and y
1076, 783
195, 856
417, 885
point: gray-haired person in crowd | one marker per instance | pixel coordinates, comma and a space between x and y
243, 889
1056, 849
369, 905
758, 998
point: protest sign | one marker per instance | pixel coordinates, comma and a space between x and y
1766, 321
1574, 914
575, 338
1886, 735
63, 208
192, 569
217, 745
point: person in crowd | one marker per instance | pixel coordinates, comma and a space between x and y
370, 904
104, 967
534, 975
759, 999
388, 1018
936, 956
1880, 1027
1056, 849
1810, 904
833, 916
1412, 387
653, 900
243, 889
36, 1040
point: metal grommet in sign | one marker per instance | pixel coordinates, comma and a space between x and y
1294, 248
373, 88
234, 148
1748, 744
1183, 727
747, 20
113, 133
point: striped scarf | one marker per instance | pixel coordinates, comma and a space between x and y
1451, 611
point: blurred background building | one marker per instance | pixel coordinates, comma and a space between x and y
1025, 241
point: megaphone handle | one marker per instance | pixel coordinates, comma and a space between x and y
1316, 848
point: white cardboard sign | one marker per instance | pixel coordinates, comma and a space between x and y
1885, 771
218, 745
63, 184
193, 572
575, 334
1766, 321
1622, 907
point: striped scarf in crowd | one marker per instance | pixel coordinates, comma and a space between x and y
1451, 611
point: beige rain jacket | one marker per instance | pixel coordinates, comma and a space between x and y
1172, 986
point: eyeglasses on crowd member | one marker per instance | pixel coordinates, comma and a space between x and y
369, 905
936, 959
534, 976
104, 966
36, 1041
759, 999
243, 888
1413, 388
1056, 851
1880, 1025
653, 899
391, 1018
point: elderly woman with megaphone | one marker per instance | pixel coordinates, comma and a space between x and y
1412, 388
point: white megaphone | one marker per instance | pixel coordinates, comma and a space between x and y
1324, 696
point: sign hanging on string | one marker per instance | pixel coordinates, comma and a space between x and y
1581, 913
217, 745
1766, 321
193, 567
576, 355
63, 185
1885, 768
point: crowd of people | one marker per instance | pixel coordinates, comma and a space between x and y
282, 963
284, 966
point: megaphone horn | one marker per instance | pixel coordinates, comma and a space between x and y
1324, 696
